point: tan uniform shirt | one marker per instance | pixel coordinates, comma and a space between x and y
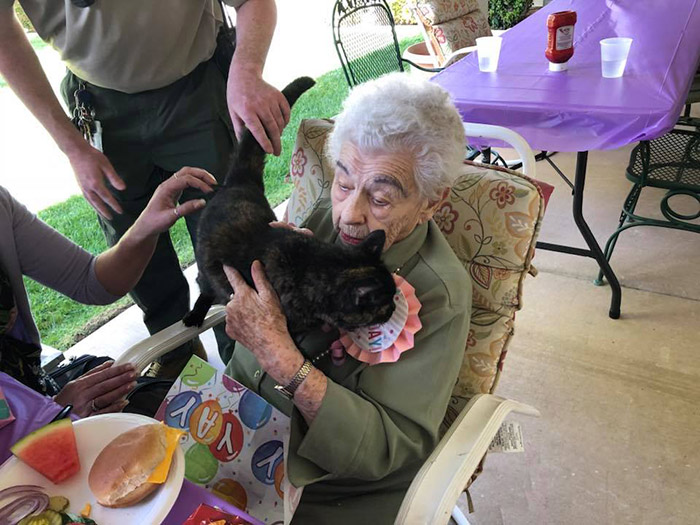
129, 45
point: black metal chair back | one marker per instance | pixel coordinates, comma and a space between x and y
365, 39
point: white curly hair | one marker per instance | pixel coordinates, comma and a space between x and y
400, 112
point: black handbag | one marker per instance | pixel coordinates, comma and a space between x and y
19, 359
144, 399
75, 368
225, 43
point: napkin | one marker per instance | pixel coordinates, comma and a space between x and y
6, 416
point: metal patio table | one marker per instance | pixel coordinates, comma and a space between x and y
578, 110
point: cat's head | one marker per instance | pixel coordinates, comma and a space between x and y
363, 288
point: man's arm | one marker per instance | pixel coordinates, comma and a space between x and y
21, 69
252, 101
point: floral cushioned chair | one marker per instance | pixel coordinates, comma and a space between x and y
450, 27
491, 218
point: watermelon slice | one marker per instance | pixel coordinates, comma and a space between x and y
50, 450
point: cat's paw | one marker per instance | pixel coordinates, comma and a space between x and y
193, 318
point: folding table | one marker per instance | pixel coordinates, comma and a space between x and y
579, 110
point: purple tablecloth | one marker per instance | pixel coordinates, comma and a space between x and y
32, 410
190, 498
579, 110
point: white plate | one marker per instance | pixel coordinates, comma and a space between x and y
92, 435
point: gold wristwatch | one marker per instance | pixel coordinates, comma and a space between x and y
298, 379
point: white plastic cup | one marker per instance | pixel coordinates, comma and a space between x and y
488, 48
613, 56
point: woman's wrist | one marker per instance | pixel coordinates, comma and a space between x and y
286, 363
308, 398
139, 233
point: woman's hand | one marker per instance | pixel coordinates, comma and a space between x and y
163, 209
99, 391
120, 268
255, 318
291, 226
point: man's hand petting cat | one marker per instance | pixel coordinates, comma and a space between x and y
91, 168
254, 317
291, 226
257, 105
163, 209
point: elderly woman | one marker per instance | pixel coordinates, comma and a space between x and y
29, 247
359, 433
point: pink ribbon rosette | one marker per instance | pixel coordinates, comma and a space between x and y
384, 343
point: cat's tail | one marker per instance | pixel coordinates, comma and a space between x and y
249, 159
294, 90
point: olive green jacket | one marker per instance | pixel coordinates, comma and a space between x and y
377, 424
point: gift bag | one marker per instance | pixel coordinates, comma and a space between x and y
235, 440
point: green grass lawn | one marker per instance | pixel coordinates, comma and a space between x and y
62, 322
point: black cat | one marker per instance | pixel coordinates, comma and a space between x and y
317, 282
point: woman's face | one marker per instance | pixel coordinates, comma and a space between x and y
376, 191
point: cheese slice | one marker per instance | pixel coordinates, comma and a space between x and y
172, 438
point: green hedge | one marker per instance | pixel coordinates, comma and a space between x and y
504, 14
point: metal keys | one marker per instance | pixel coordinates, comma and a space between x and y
84, 117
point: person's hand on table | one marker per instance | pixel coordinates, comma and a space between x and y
100, 391
257, 105
254, 317
163, 209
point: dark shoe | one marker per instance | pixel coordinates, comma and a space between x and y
171, 369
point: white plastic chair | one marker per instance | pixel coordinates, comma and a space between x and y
432, 497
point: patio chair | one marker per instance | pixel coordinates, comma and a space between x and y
491, 219
365, 39
450, 28
671, 162
693, 98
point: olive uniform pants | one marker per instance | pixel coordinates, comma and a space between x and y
147, 137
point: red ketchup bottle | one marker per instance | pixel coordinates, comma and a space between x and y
560, 39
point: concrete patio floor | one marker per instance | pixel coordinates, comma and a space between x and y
616, 442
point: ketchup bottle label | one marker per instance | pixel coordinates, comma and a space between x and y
564, 38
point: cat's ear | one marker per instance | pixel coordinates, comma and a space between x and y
373, 244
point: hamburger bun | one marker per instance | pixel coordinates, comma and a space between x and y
119, 475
